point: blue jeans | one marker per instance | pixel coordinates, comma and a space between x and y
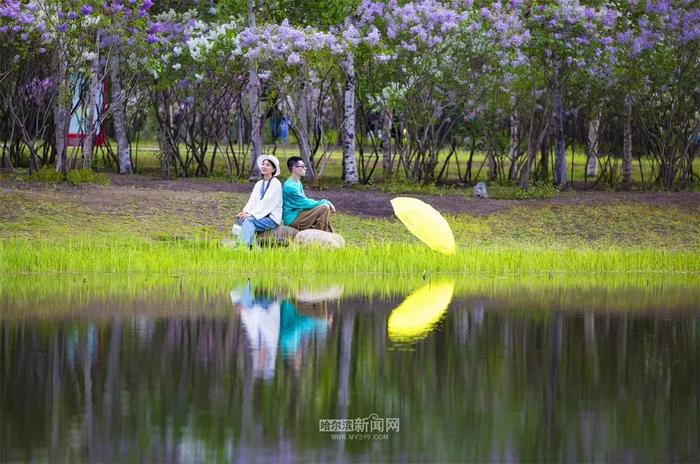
251, 225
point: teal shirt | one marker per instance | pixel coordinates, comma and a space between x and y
294, 201
295, 328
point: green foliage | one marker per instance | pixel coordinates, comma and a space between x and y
84, 176
46, 175
396, 186
537, 191
310, 12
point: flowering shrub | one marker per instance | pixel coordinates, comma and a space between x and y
433, 67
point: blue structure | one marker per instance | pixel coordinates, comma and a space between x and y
279, 126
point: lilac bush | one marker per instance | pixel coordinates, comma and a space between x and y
510, 73
659, 42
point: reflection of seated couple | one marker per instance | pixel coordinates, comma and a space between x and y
272, 204
270, 323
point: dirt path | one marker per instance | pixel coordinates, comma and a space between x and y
367, 203
374, 203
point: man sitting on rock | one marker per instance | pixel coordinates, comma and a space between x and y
299, 211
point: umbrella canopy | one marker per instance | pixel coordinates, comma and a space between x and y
426, 223
415, 318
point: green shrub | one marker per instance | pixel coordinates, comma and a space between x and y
47, 175
537, 191
86, 176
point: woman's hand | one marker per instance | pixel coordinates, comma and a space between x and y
242, 216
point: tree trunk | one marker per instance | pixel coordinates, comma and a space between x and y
302, 131
349, 166
90, 104
544, 157
164, 154
558, 121
533, 146
627, 144
61, 111
168, 147
592, 163
119, 117
514, 143
491, 171
386, 145
254, 105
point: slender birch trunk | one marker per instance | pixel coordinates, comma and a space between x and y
61, 111
514, 143
303, 131
386, 144
592, 162
627, 144
90, 104
558, 121
254, 104
350, 168
119, 117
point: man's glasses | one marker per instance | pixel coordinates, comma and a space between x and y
300, 166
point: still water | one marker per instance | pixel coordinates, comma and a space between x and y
438, 372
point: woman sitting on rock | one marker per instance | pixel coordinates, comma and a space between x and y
264, 208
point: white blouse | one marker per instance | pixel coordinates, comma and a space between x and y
269, 204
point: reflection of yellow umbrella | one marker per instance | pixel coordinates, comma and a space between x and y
413, 319
426, 223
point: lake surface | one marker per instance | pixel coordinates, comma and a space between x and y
442, 371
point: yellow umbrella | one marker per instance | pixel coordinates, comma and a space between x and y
415, 318
426, 223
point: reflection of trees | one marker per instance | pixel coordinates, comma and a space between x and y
486, 385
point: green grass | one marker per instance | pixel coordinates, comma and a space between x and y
85, 254
127, 230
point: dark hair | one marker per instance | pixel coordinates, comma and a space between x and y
274, 168
292, 161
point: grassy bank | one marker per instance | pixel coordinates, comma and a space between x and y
206, 256
133, 230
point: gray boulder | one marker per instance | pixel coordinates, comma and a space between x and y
279, 236
480, 190
320, 238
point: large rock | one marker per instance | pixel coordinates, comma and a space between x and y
320, 238
480, 190
313, 295
279, 236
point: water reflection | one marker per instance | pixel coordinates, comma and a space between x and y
249, 378
272, 321
416, 317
